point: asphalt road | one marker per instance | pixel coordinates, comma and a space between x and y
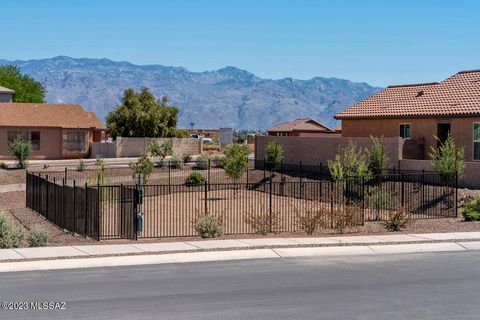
409, 286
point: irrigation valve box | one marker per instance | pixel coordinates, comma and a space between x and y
140, 221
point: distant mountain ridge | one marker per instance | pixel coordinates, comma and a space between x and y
228, 97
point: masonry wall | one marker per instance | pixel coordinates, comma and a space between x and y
461, 129
135, 147
315, 150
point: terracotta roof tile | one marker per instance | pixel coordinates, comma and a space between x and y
304, 124
458, 95
47, 115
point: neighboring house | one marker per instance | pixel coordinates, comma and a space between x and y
56, 131
6, 94
419, 113
301, 128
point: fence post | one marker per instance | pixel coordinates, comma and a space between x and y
456, 193
74, 207
403, 189
270, 207
206, 196
264, 176
321, 171
169, 175
208, 179
331, 204
363, 200
46, 211
63, 203
66, 175
99, 199
86, 209
301, 171
281, 170
54, 200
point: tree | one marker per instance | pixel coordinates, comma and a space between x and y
142, 166
21, 150
236, 161
273, 156
447, 159
142, 115
163, 150
377, 159
26, 88
349, 162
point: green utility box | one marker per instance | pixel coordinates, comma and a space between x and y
140, 221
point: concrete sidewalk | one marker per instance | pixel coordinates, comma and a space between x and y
283, 246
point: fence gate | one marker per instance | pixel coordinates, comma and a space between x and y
127, 212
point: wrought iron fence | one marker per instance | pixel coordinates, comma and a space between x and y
170, 210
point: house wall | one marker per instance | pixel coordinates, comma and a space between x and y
461, 129
302, 134
314, 150
50, 142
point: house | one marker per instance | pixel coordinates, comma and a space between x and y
6, 94
305, 127
55, 131
418, 113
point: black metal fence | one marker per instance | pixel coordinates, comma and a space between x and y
170, 210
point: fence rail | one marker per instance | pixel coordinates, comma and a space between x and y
170, 210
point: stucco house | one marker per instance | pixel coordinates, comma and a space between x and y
6, 94
305, 127
418, 113
55, 131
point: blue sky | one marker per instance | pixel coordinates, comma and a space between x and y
379, 42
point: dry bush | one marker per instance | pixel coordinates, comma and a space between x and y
311, 219
348, 216
397, 220
263, 222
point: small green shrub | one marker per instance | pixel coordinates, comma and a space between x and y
377, 158
10, 237
349, 162
208, 226
380, 200
142, 166
38, 237
81, 165
21, 150
219, 160
99, 161
202, 161
194, 179
448, 159
3, 166
397, 220
163, 150
236, 161
176, 162
273, 156
471, 210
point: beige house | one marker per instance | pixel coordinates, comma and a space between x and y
305, 127
56, 131
418, 113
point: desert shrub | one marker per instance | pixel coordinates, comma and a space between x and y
99, 161
99, 177
311, 219
3, 166
347, 217
273, 156
81, 165
176, 162
10, 237
448, 159
194, 179
21, 151
397, 220
38, 237
186, 158
380, 200
263, 222
202, 161
163, 150
208, 226
236, 161
471, 210
219, 160
142, 166
377, 159
349, 162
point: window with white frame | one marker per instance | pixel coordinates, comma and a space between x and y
405, 130
476, 141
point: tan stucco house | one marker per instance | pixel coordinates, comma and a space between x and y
305, 127
56, 131
418, 113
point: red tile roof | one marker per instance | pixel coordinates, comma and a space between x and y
458, 95
47, 115
305, 124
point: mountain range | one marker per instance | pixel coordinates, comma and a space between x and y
227, 97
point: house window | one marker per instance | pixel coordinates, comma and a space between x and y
476, 141
35, 140
75, 140
405, 130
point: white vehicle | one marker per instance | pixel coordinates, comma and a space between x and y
207, 140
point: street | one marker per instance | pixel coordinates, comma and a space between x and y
403, 286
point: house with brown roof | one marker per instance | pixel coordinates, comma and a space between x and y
418, 113
55, 131
305, 127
